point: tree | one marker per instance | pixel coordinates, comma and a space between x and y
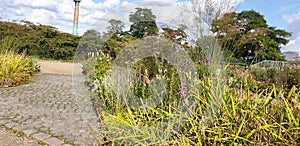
90, 42
176, 35
143, 23
115, 43
248, 36
116, 26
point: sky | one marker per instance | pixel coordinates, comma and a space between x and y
283, 14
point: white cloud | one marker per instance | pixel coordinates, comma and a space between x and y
157, 2
36, 16
39, 4
111, 3
293, 21
58, 13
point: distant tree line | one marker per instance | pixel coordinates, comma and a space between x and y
244, 37
43, 41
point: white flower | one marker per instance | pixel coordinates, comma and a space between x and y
230, 80
218, 72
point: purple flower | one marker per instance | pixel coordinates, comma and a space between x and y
147, 80
187, 61
261, 45
209, 62
237, 26
175, 33
182, 91
149, 37
249, 51
254, 39
229, 25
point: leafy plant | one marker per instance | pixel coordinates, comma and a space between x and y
15, 69
284, 78
8, 43
265, 118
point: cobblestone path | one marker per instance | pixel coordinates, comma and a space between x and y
54, 109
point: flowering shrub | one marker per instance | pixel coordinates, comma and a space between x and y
145, 72
244, 115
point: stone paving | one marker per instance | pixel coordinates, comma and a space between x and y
54, 109
8, 138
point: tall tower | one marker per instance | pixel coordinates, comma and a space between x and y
76, 14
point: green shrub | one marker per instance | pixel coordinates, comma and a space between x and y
284, 78
15, 69
8, 43
42, 41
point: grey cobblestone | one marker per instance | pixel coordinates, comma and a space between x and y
29, 132
41, 136
11, 124
66, 145
53, 141
11, 139
21, 127
56, 105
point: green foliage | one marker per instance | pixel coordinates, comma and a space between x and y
15, 69
116, 43
248, 118
177, 36
42, 41
143, 23
116, 26
98, 71
244, 117
91, 41
8, 43
248, 37
284, 78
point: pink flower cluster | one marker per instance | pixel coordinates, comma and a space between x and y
182, 91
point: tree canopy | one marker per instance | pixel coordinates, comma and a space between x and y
248, 37
116, 26
143, 23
